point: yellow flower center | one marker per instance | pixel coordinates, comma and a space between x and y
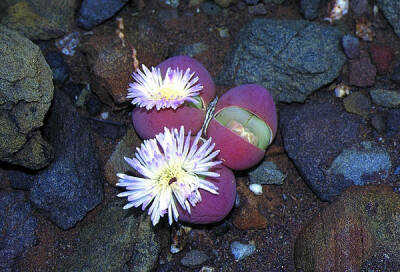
167, 92
171, 174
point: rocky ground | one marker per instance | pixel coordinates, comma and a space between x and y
330, 179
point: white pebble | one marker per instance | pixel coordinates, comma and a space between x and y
256, 189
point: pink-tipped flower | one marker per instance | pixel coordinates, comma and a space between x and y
176, 93
151, 90
174, 168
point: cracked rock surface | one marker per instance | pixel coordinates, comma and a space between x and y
291, 58
26, 90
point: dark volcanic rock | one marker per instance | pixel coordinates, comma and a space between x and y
309, 9
351, 46
73, 184
20, 180
17, 228
290, 58
58, 66
391, 10
326, 147
393, 122
313, 135
94, 12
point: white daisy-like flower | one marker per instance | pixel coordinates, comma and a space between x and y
150, 89
173, 171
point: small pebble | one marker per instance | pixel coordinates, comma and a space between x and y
211, 9
256, 189
258, 9
251, 2
359, 7
171, 3
309, 9
397, 170
194, 258
223, 32
93, 105
104, 115
393, 122
382, 56
241, 251
396, 74
351, 46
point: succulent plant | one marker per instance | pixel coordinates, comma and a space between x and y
177, 173
244, 125
176, 92
213, 208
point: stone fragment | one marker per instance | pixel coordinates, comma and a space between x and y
362, 72
360, 161
26, 91
241, 251
290, 58
314, 134
194, 258
382, 56
345, 235
113, 238
73, 184
111, 64
385, 98
358, 103
351, 46
391, 10
94, 12
40, 19
17, 228
309, 9
267, 173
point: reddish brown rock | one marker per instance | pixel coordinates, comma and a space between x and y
347, 233
248, 216
361, 71
382, 56
112, 63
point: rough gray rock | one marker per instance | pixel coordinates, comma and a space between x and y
393, 122
324, 143
26, 91
346, 234
241, 251
17, 228
309, 9
194, 258
40, 19
290, 58
360, 161
385, 98
73, 184
391, 10
94, 12
108, 242
267, 173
